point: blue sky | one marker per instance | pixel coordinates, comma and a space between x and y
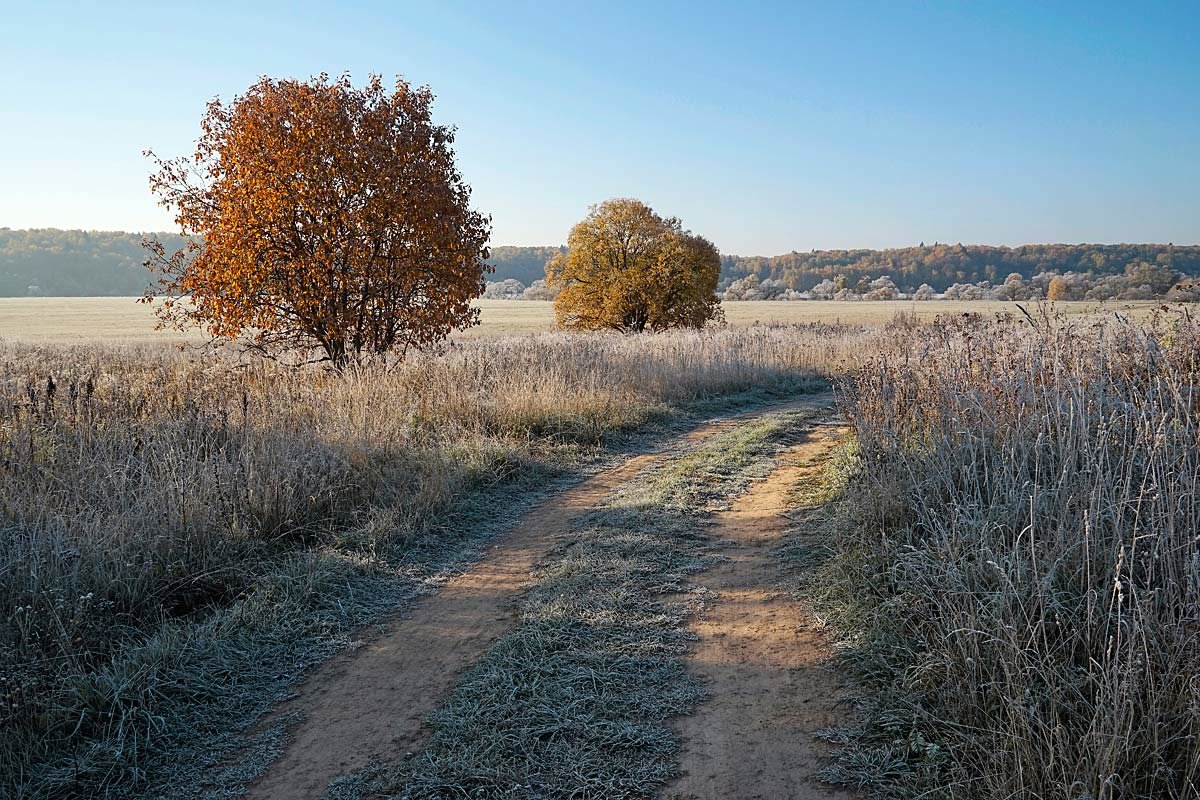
766, 127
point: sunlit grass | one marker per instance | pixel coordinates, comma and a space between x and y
1014, 559
121, 319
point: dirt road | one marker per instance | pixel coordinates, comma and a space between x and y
369, 705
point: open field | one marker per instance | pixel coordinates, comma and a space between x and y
171, 521
1015, 512
118, 319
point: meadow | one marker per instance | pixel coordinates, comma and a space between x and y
1007, 542
185, 533
123, 319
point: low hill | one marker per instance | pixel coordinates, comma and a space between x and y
68, 262
50, 261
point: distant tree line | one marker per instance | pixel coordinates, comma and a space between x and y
69, 262
943, 265
1104, 270
52, 261
513, 289
524, 264
1141, 280
72, 262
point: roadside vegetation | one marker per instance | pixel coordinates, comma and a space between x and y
368, 251
1013, 560
183, 535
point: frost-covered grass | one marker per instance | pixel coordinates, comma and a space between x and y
1015, 559
181, 536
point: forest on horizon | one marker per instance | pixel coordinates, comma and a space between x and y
57, 262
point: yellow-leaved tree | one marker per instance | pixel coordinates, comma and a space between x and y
321, 217
1058, 289
628, 269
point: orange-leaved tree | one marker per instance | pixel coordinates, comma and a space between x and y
628, 269
321, 218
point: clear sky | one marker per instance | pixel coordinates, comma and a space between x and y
766, 127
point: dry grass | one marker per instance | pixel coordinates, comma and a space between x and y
1017, 548
121, 319
181, 535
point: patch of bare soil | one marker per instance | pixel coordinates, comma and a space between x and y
369, 705
761, 656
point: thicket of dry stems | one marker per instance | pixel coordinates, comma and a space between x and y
145, 496
1020, 540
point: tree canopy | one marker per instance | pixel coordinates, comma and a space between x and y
628, 269
322, 216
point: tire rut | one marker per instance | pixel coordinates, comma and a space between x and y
762, 657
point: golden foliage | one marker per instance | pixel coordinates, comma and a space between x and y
628, 269
322, 216
1058, 289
